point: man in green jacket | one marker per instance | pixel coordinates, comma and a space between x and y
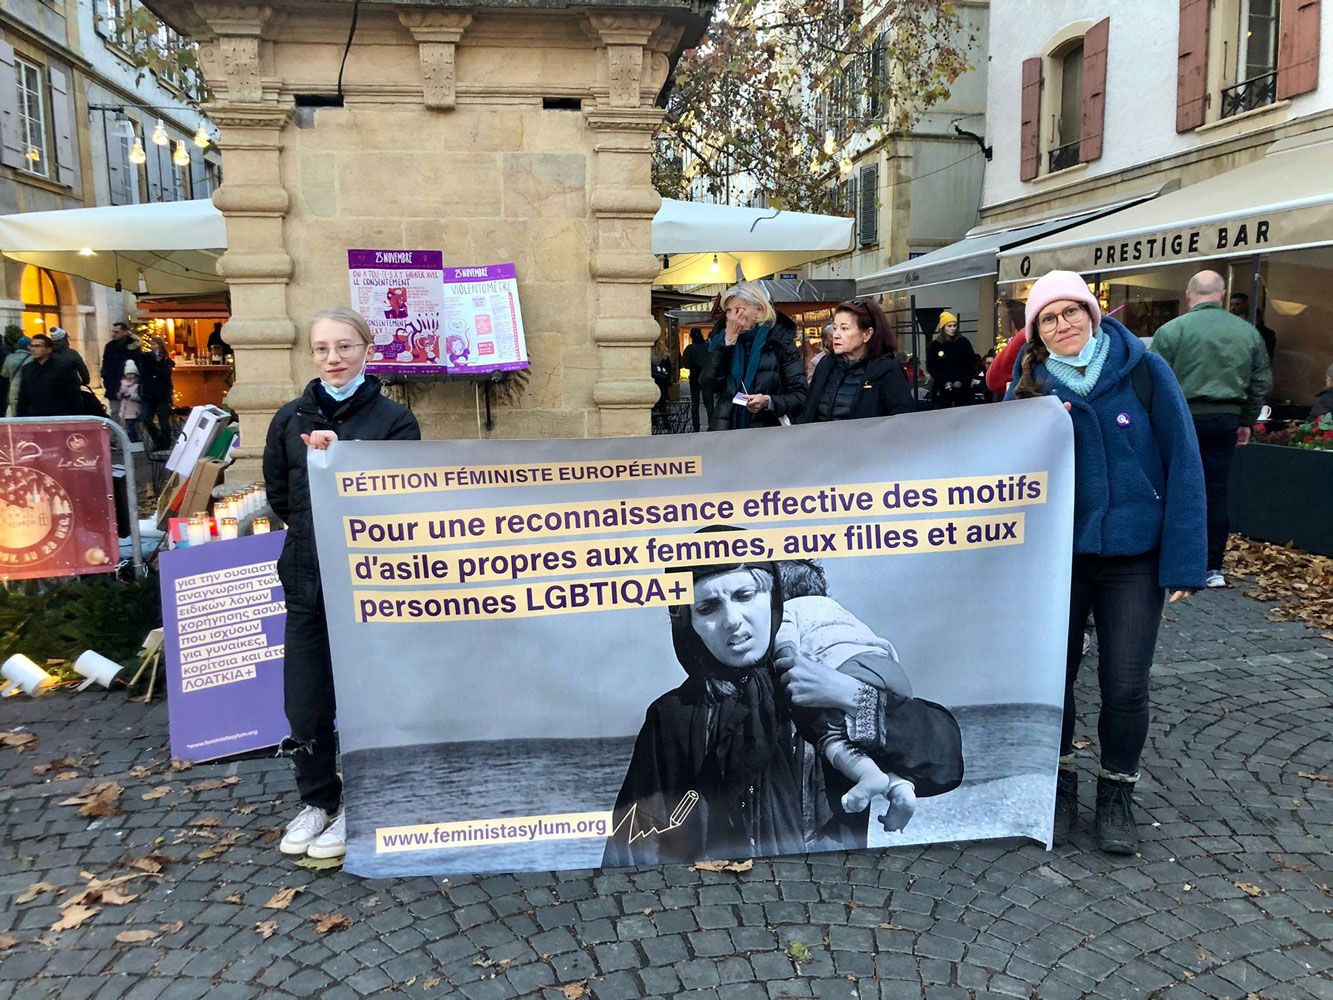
1222, 366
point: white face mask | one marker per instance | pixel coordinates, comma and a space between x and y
346, 391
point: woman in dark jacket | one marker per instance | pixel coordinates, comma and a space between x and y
753, 365
951, 362
860, 378
343, 403
1138, 525
158, 391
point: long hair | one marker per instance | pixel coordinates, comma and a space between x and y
869, 316
1035, 353
348, 316
753, 293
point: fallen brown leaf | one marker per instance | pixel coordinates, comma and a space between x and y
134, 937
235, 897
206, 821
721, 866
228, 840
35, 890
326, 922
140, 771
267, 928
172, 928
74, 916
20, 741
1299, 582
210, 784
573, 991
180, 764
1082, 744
7, 942
283, 898
1250, 889
156, 793
118, 897
96, 800
1314, 777
430, 982
244, 810
151, 863
890, 927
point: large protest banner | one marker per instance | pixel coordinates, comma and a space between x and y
223, 613
567, 653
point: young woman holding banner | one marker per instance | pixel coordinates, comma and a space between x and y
1138, 525
343, 402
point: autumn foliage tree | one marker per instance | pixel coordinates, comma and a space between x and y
780, 92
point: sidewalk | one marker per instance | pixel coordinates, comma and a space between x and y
1231, 897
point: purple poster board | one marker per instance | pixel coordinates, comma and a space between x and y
223, 615
483, 324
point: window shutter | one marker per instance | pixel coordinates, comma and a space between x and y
1094, 90
1029, 147
851, 208
1297, 48
154, 165
67, 171
117, 167
867, 218
198, 173
11, 125
1192, 65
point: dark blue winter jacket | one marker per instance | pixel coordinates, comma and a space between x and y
1138, 481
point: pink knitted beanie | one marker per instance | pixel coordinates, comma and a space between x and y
1055, 286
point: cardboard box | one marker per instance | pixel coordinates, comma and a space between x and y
199, 490
199, 431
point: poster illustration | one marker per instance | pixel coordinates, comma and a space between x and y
576, 653
427, 318
57, 515
400, 293
223, 615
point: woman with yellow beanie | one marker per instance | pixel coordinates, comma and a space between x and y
951, 361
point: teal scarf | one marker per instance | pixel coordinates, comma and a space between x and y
744, 366
1074, 380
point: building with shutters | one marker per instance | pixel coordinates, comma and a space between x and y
73, 105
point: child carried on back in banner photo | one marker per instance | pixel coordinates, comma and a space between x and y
818, 627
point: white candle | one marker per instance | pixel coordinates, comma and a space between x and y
259, 526
196, 532
227, 528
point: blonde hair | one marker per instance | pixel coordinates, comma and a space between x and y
349, 316
753, 293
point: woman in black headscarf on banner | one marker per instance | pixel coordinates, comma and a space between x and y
719, 769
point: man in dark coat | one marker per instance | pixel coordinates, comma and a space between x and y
121, 348
60, 346
693, 359
50, 385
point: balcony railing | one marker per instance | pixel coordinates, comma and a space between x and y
1255, 93
1062, 157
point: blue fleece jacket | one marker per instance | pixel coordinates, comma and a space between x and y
1138, 482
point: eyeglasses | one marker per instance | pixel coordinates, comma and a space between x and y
342, 350
1071, 315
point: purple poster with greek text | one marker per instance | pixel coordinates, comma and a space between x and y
223, 614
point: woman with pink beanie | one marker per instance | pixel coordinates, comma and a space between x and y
1138, 525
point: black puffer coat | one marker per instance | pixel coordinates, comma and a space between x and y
951, 361
780, 376
367, 416
850, 390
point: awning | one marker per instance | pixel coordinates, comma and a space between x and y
975, 256
1282, 201
172, 246
705, 244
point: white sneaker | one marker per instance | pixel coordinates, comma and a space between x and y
332, 843
309, 823
1215, 578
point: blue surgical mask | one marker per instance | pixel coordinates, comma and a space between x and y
345, 393
1084, 357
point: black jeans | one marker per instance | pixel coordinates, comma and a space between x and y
1124, 596
308, 699
1217, 444
699, 395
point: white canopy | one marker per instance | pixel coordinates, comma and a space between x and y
760, 241
172, 246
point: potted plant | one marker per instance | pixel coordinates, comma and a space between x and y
1281, 487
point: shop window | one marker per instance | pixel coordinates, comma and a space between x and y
32, 117
41, 304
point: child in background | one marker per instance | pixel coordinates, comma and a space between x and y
818, 627
130, 399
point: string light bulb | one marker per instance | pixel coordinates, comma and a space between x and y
714, 267
845, 166
137, 155
830, 144
33, 155
201, 138
182, 155
160, 137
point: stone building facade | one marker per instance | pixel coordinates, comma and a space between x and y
515, 132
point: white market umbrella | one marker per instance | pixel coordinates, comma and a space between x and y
761, 241
163, 248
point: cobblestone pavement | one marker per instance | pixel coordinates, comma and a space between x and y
1230, 898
